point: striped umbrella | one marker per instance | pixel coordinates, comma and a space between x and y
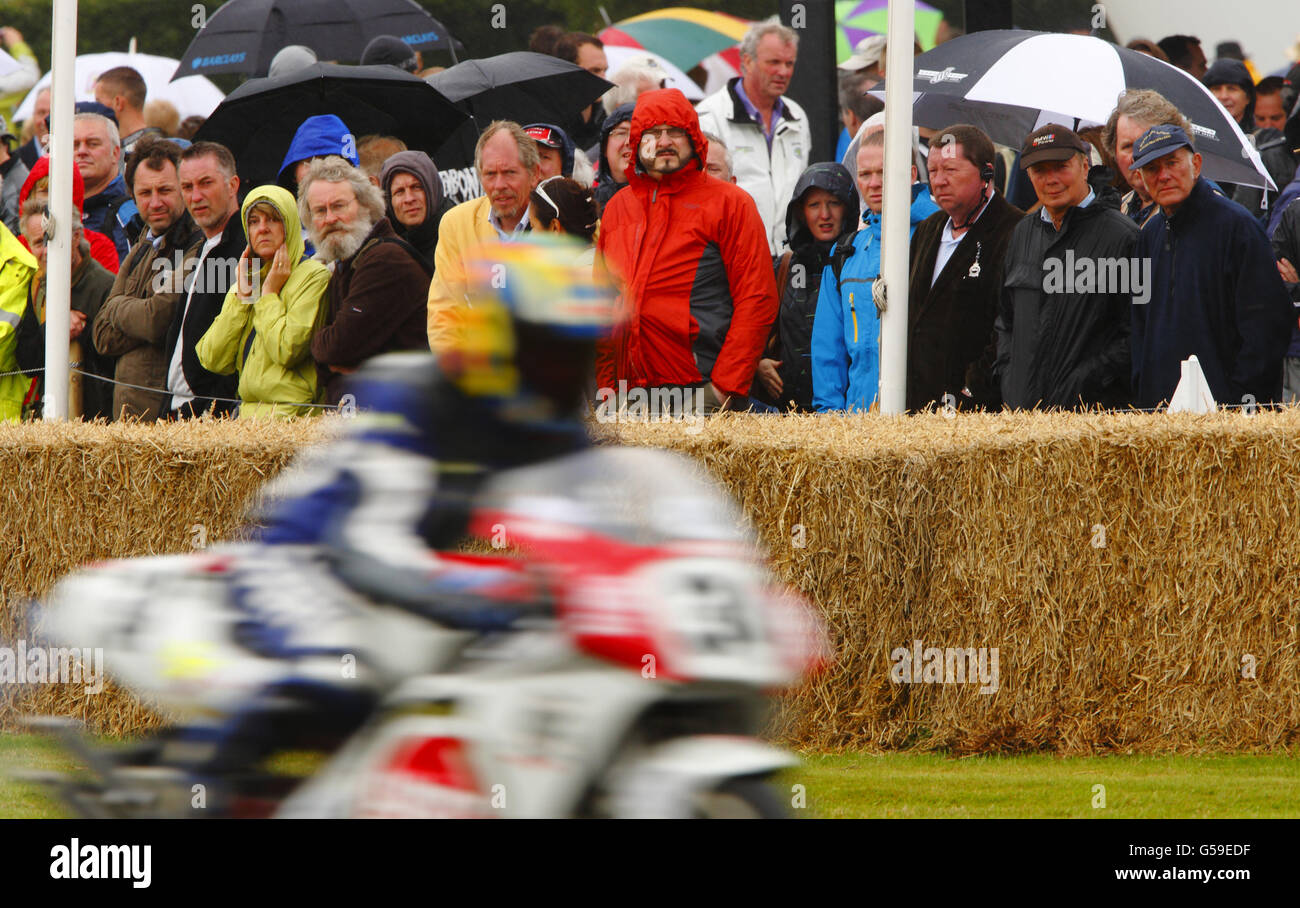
858, 19
681, 34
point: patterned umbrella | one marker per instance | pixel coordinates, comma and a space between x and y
858, 19
682, 35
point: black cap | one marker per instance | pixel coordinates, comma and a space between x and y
1052, 142
96, 108
390, 50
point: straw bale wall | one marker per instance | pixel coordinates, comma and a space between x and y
1137, 575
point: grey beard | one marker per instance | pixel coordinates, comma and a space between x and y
342, 244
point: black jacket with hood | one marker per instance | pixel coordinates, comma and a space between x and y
606, 186
791, 341
1063, 338
423, 237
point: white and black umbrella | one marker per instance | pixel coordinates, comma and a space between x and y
1009, 82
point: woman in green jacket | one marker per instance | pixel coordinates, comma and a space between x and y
267, 321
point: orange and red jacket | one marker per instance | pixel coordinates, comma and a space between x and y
689, 257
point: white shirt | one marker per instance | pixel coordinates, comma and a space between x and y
948, 243
182, 393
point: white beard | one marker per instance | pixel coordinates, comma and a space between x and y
341, 243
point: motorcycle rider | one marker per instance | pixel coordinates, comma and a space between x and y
359, 520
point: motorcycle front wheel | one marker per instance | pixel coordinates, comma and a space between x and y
739, 799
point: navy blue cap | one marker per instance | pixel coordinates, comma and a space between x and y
1157, 142
96, 108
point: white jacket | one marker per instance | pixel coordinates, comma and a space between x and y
769, 178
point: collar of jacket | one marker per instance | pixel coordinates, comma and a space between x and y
740, 115
1073, 215
688, 175
1195, 200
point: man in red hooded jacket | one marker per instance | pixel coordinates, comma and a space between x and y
689, 256
102, 249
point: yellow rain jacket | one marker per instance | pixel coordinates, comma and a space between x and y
17, 266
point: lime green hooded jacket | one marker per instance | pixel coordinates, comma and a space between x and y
17, 266
277, 375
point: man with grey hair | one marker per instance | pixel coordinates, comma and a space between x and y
766, 133
1137, 111
718, 162
378, 282
97, 149
509, 167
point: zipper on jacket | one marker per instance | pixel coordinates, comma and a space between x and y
854, 312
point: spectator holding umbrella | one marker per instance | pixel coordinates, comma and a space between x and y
267, 321
1137, 111
588, 52
1216, 293
414, 200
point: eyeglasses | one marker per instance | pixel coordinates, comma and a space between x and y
674, 133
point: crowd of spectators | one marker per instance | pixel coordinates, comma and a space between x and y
744, 270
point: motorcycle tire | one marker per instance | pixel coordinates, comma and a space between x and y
747, 798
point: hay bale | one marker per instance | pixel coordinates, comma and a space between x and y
1124, 567
79, 493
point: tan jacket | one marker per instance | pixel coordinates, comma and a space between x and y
133, 323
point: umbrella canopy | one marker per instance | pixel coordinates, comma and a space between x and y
681, 34
1009, 82
257, 120
193, 96
520, 86
8, 64
617, 56
858, 19
243, 35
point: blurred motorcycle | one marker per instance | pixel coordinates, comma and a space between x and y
640, 692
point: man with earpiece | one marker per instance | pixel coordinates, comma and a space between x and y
956, 277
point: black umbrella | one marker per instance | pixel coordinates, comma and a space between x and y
1008, 82
520, 86
257, 120
243, 35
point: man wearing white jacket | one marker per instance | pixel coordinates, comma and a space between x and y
766, 133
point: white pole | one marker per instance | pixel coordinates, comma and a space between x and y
898, 203
58, 267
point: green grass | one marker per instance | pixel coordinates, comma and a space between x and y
860, 785
893, 786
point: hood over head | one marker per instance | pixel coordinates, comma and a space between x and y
419, 165
835, 179
40, 170
617, 116
669, 107
287, 205
316, 138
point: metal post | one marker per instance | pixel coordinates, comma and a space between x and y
898, 203
58, 268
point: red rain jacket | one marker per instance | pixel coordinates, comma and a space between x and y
102, 249
690, 259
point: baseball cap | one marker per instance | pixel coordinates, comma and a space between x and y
546, 135
1052, 142
1157, 142
390, 50
866, 52
96, 108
